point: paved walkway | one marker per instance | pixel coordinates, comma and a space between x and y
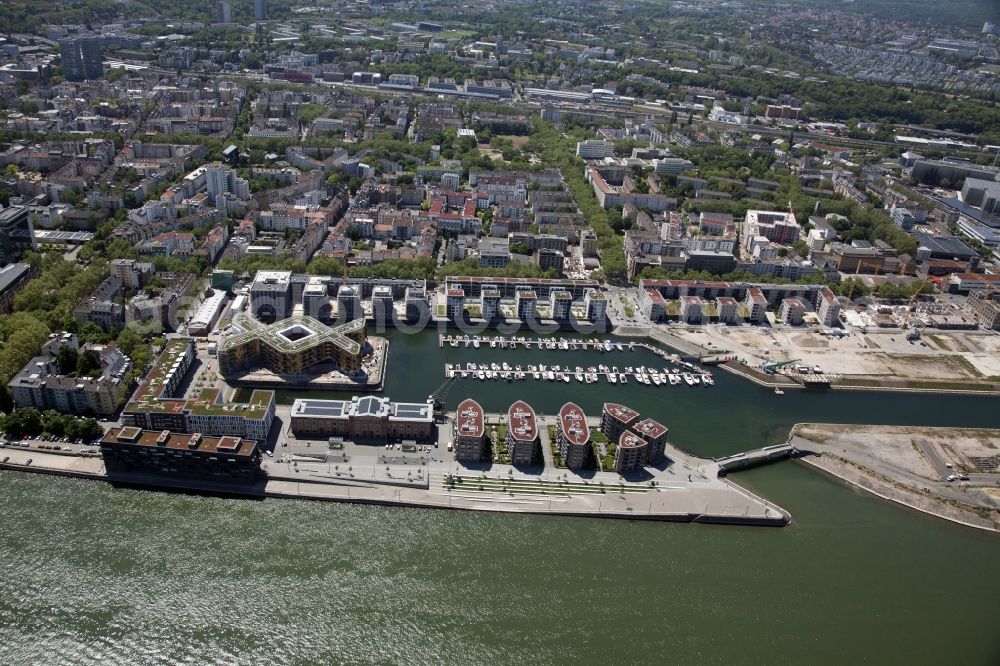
677, 497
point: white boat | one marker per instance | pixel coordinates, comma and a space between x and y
707, 380
481, 374
656, 379
778, 391
551, 376
475, 343
675, 379
622, 378
493, 343
565, 378
607, 346
579, 375
536, 374
688, 379
454, 342
613, 378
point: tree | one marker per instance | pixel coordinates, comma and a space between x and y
54, 423
89, 429
91, 332
89, 363
21, 422
67, 359
22, 336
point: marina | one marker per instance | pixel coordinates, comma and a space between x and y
679, 372
688, 374
551, 343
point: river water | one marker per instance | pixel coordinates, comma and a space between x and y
95, 574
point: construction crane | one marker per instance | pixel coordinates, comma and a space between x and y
913, 297
854, 282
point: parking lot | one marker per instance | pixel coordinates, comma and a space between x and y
53, 444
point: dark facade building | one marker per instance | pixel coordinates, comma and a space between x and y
631, 453
227, 459
654, 434
522, 434
81, 58
13, 278
470, 432
639, 442
546, 259
573, 436
616, 419
16, 234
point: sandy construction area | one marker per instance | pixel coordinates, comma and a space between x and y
966, 356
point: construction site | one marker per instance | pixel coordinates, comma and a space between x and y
948, 472
861, 357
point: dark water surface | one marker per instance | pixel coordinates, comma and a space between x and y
94, 574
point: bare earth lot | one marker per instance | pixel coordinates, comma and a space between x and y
911, 465
959, 359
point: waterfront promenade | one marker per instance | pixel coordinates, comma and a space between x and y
687, 494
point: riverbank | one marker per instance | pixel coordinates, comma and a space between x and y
945, 472
713, 500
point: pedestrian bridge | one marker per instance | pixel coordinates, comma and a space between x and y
756, 457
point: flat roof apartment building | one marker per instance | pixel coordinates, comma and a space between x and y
616, 419
364, 418
470, 432
522, 434
573, 436
631, 453
42, 385
154, 406
191, 455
